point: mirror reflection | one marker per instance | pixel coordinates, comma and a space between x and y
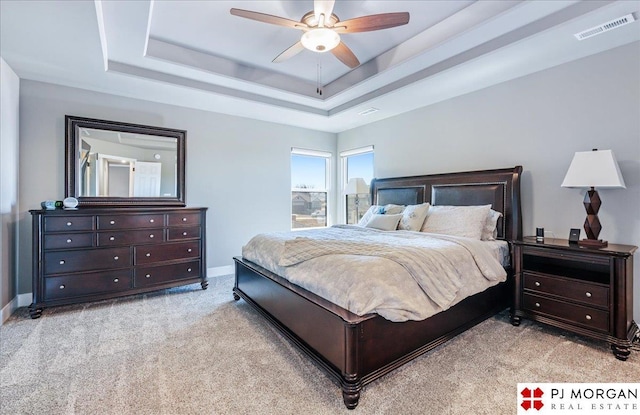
123, 164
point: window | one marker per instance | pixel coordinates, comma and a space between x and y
357, 163
309, 188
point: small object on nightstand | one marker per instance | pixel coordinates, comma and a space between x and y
574, 236
539, 234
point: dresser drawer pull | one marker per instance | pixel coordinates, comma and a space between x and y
588, 294
151, 220
588, 317
115, 280
188, 269
69, 223
151, 236
537, 284
62, 287
148, 276
148, 254
112, 222
184, 234
69, 240
189, 250
184, 219
537, 304
62, 262
112, 238
116, 258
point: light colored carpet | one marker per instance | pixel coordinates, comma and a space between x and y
188, 351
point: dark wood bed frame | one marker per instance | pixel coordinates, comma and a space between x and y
356, 350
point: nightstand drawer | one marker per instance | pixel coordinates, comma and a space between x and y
587, 293
573, 313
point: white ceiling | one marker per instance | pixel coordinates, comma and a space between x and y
196, 54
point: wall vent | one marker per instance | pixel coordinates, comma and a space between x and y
605, 27
368, 111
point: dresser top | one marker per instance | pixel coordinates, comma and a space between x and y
113, 211
564, 244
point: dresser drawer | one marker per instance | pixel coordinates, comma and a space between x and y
184, 233
146, 276
68, 286
166, 252
584, 292
130, 237
64, 262
573, 313
68, 223
175, 219
70, 240
130, 221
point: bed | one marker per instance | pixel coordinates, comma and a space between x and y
355, 350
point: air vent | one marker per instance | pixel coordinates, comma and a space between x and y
605, 27
368, 111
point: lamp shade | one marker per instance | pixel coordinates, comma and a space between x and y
597, 168
356, 186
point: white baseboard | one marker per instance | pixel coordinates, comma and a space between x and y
21, 300
220, 271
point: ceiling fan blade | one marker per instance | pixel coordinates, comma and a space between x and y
323, 7
345, 55
372, 22
267, 18
289, 53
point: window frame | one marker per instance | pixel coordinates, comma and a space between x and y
344, 156
328, 157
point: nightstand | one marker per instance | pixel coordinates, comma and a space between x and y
583, 290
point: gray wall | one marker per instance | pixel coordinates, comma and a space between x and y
9, 99
537, 121
239, 168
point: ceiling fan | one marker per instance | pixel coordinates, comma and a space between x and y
322, 29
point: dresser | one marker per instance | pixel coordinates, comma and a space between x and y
583, 290
94, 254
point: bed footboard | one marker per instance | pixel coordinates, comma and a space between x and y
355, 350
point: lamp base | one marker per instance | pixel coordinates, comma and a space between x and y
593, 243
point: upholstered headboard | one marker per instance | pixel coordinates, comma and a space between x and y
500, 188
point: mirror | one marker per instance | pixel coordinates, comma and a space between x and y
110, 163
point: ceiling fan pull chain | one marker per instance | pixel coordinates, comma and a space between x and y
319, 77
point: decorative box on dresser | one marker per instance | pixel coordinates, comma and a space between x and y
93, 254
583, 290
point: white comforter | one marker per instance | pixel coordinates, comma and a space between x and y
399, 275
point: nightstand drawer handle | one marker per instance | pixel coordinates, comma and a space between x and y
188, 269
151, 220
588, 317
148, 254
537, 284
112, 222
148, 276
112, 238
69, 240
588, 294
537, 304
184, 219
115, 280
189, 250
62, 287
115, 258
62, 262
184, 234
151, 236
69, 223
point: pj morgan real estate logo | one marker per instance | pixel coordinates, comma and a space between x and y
578, 398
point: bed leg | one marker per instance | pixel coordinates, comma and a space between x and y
351, 393
515, 320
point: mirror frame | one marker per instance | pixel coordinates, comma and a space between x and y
72, 127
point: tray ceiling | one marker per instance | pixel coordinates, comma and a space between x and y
196, 54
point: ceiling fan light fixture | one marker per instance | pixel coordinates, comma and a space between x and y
320, 40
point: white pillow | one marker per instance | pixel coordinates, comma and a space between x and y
490, 230
466, 221
413, 217
384, 222
381, 210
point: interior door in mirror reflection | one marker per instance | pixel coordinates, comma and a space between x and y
146, 179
